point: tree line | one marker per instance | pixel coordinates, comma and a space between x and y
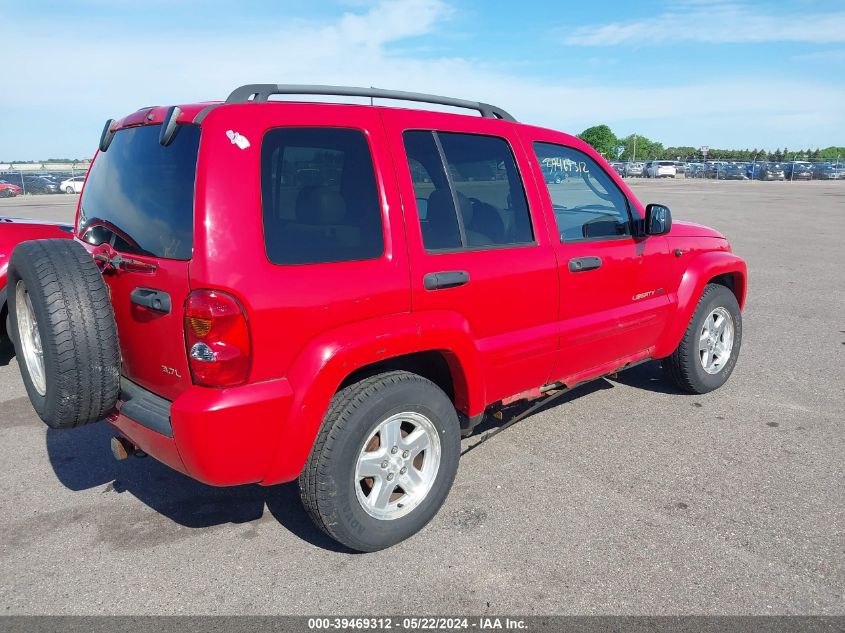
639, 147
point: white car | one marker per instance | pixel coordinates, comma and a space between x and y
72, 185
662, 169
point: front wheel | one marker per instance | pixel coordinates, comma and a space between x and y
708, 351
69, 190
383, 462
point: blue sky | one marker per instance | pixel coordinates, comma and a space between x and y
724, 73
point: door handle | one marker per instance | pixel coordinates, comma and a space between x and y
445, 279
152, 299
581, 264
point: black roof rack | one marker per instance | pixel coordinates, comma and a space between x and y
261, 92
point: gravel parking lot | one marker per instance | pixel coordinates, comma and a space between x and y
626, 497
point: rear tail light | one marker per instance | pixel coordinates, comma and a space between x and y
217, 339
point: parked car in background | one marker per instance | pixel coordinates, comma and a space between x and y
680, 167
769, 171
826, 171
798, 170
619, 168
40, 184
695, 170
732, 171
9, 190
13, 231
712, 169
72, 185
634, 169
32, 183
661, 169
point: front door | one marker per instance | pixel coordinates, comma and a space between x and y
614, 302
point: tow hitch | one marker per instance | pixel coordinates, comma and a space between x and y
121, 448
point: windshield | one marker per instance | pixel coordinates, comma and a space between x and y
139, 196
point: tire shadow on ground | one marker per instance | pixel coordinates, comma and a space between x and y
7, 350
81, 459
648, 377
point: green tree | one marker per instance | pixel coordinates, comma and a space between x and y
637, 147
602, 139
684, 151
832, 153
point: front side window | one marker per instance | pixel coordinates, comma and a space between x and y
319, 196
482, 183
587, 204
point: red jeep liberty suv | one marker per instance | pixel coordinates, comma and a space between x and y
263, 290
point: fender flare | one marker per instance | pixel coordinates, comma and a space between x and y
326, 361
700, 270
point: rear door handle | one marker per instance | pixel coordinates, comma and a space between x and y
581, 264
151, 299
445, 279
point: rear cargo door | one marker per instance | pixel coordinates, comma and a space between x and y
136, 215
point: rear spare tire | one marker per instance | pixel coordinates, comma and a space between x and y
64, 332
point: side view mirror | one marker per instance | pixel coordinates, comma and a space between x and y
658, 219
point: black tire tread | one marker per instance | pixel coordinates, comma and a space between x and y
678, 365
80, 330
342, 406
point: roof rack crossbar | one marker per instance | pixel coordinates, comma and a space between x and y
262, 92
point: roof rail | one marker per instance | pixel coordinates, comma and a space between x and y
261, 92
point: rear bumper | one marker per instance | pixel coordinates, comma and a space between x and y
222, 437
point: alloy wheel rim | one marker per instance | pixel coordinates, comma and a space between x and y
30, 339
397, 465
716, 340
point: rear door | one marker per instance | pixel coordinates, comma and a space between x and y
137, 212
477, 252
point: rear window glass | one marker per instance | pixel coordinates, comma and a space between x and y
319, 196
139, 196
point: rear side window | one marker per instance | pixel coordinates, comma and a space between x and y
587, 203
139, 196
319, 196
482, 182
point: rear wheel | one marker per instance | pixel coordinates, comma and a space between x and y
383, 462
62, 325
69, 190
708, 351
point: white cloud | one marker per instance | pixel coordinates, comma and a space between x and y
716, 22
117, 70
